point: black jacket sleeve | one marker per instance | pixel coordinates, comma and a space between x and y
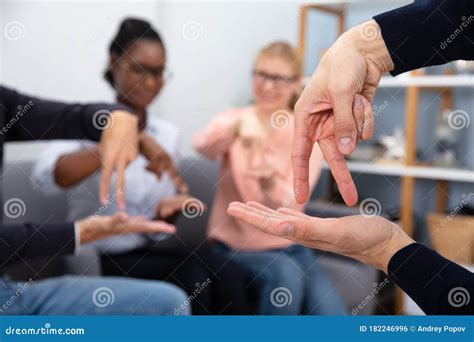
27, 241
437, 285
428, 32
24, 117
30, 118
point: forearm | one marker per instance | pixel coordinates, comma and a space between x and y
437, 285
27, 241
427, 33
44, 119
74, 167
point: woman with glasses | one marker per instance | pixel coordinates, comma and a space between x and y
137, 72
254, 145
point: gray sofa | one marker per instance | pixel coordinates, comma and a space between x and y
354, 281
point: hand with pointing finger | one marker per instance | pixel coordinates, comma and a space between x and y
119, 147
331, 112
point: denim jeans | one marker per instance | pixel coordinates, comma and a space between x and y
91, 296
290, 281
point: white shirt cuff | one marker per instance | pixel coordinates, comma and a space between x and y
77, 236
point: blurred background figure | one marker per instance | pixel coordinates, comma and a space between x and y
137, 71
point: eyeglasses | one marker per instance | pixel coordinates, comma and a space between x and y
161, 74
277, 80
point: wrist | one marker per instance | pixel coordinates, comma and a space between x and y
367, 39
398, 240
142, 141
89, 229
82, 226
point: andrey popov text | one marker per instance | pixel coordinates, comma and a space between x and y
412, 328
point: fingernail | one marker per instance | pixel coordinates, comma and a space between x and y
345, 145
345, 141
359, 101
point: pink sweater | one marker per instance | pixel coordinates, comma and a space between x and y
241, 174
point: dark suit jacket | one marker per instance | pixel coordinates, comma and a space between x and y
22, 118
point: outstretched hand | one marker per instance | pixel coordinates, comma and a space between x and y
371, 240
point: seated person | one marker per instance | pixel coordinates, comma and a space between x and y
153, 187
254, 145
29, 118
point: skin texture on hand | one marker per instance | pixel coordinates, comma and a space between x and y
118, 147
326, 111
160, 161
371, 240
100, 227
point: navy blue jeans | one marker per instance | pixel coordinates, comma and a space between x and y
290, 281
91, 296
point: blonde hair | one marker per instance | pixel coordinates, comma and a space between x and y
288, 53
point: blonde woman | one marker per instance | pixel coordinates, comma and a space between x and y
254, 146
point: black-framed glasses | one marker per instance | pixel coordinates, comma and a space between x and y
142, 71
277, 80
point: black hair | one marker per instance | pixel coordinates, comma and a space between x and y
131, 30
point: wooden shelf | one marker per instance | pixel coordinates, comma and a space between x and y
420, 172
430, 81
414, 83
434, 81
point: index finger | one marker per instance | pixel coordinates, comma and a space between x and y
105, 179
338, 166
300, 155
120, 183
178, 182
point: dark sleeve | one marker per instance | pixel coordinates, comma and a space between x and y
26, 241
437, 285
428, 32
30, 118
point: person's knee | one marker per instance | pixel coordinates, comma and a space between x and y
164, 299
283, 271
177, 302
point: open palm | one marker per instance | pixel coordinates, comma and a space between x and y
367, 239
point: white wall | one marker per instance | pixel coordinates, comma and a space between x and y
212, 71
61, 51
